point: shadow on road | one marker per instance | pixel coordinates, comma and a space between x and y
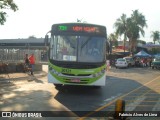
138, 97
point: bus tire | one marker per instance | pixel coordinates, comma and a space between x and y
96, 87
57, 86
119, 108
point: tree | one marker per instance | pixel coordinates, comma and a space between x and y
156, 36
131, 28
136, 24
5, 5
113, 38
32, 36
121, 27
132, 32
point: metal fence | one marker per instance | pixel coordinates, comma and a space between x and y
17, 55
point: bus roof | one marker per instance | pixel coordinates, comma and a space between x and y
78, 23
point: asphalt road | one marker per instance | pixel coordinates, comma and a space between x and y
139, 87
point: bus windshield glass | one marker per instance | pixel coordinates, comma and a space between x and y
77, 48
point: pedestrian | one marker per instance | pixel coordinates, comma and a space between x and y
108, 64
26, 60
150, 62
32, 62
26, 65
143, 62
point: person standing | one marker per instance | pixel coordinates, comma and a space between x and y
26, 65
150, 62
108, 64
32, 62
26, 60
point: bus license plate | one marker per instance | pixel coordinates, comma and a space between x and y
76, 80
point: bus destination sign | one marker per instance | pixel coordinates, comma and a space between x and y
78, 28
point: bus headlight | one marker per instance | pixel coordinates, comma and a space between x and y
95, 75
98, 73
103, 71
54, 72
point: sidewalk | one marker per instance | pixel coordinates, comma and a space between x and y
12, 77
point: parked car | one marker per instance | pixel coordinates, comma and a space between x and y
156, 63
121, 62
130, 61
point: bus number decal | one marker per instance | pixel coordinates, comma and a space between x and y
64, 70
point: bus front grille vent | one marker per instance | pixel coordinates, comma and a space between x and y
76, 75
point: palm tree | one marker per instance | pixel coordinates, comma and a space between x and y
156, 36
132, 33
136, 24
113, 38
121, 27
131, 28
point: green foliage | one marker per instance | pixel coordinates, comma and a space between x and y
156, 36
131, 27
121, 28
113, 38
141, 41
32, 36
6, 5
120, 25
154, 51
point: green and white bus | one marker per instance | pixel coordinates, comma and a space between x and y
77, 54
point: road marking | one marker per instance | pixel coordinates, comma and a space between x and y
132, 106
101, 108
110, 99
156, 106
145, 101
147, 96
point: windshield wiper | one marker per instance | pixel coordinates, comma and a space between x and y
72, 45
86, 42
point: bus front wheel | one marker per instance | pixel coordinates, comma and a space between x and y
58, 86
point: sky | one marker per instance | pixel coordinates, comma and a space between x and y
35, 17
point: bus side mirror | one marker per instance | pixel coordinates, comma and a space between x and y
46, 39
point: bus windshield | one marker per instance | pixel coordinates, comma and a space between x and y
77, 48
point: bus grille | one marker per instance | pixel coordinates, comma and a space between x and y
77, 65
81, 81
76, 75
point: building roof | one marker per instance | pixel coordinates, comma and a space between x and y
152, 46
23, 40
22, 43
